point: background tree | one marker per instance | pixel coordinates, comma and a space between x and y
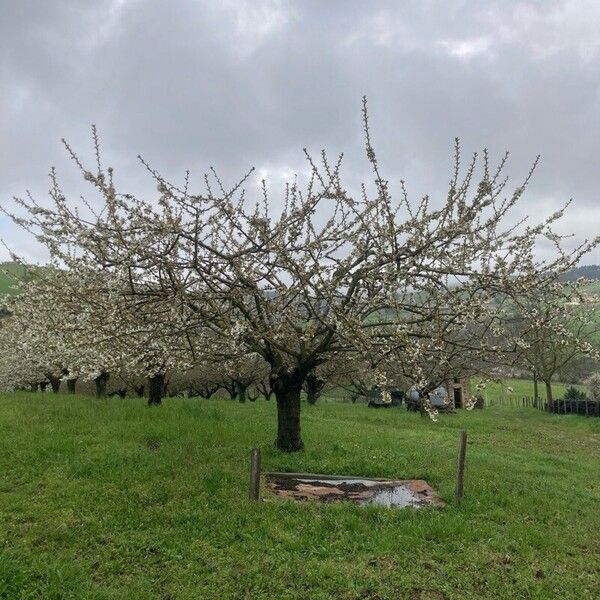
81, 323
593, 386
556, 325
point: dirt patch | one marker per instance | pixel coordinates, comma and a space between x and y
335, 488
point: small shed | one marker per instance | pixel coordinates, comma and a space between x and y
459, 391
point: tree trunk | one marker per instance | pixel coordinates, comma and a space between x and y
549, 395
203, 392
71, 385
43, 385
35, 387
241, 392
101, 382
265, 389
313, 387
54, 383
287, 389
231, 389
536, 392
139, 390
156, 389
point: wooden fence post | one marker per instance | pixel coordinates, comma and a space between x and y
460, 466
254, 473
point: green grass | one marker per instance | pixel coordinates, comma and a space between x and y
516, 389
110, 499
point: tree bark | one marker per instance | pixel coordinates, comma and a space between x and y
204, 392
71, 385
549, 395
536, 392
101, 382
313, 387
266, 391
156, 389
43, 385
287, 389
241, 392
231, 390
54, 383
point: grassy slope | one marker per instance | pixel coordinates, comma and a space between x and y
8, 271
108, 499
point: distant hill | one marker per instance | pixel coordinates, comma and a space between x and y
587, 271
10, 273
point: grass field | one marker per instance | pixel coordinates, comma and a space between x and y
110, 499
497, 391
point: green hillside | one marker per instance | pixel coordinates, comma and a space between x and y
10, 272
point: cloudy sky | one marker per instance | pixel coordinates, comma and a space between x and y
235, 83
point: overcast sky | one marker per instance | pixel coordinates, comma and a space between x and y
235, 83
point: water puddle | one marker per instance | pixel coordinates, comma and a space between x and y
400, 493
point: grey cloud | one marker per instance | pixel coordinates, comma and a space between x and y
240, 83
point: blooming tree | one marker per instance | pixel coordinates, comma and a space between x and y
321, 273
81, 323
19, 367
593, 385
555, 324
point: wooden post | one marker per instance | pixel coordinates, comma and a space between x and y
460, 466
254, 474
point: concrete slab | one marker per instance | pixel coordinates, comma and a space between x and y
399, 493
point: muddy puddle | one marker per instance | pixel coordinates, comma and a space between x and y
400, 493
